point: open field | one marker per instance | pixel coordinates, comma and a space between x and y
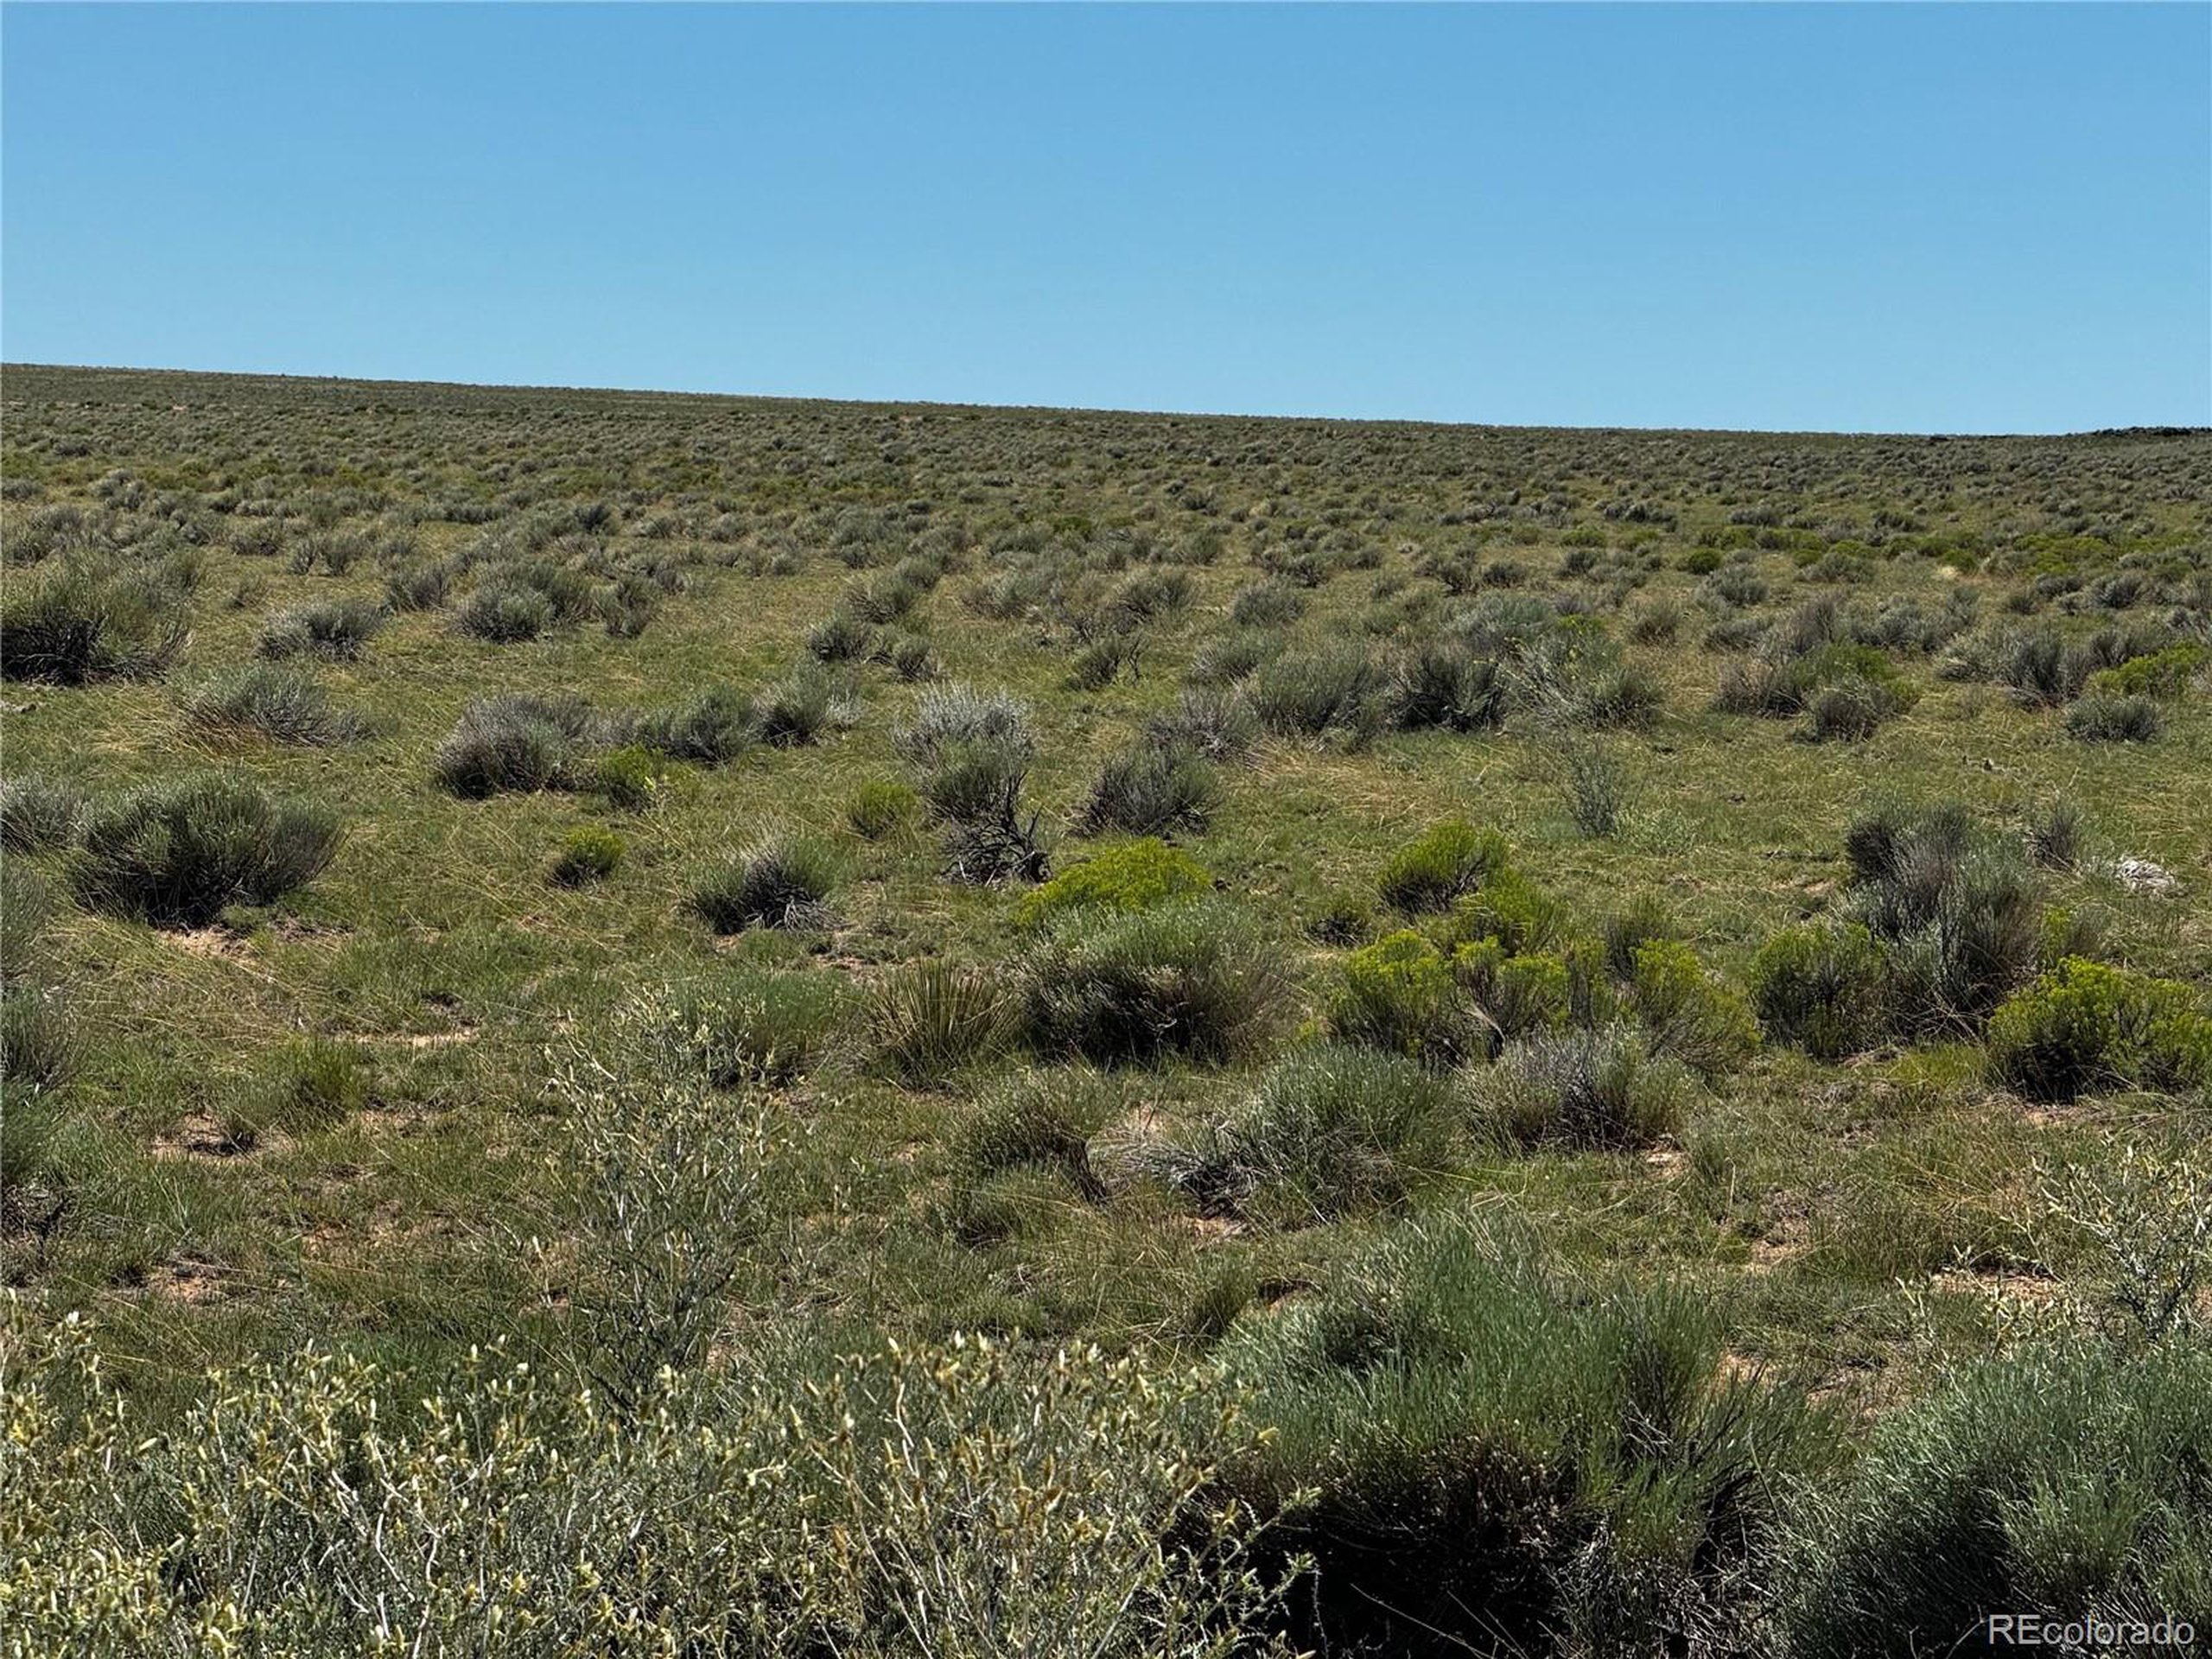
1641, 1001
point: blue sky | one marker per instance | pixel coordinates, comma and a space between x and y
1907, 217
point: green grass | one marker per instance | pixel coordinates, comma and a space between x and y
322, 1105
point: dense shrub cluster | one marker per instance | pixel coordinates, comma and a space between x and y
181, 853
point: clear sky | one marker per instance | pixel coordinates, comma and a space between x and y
1908, 218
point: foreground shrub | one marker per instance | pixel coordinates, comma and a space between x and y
285, 702
1480, 1457
2067, 1482
1444, 683
927, 1022
711, 726
1447, 861
1399, 994
514, 742
800, 707
1690, 1014
757, 1026
778, 881
1602, 1088
1304, 694
2100, 717
880, 808
74, 621
1047, 1119
1136, 876
1824, 988
1330, 1131
1149, 791
38, 815
796, 1503
2088, 1025
1190, 980
180, 852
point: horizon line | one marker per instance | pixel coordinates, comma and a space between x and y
2147, 427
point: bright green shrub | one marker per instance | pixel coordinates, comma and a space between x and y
588, 854
1445, 863
628, 777
1189, 979
2064, 1481
1135, 875
2160, 674
1399, 994
881, 807
1511, 909
180, 852
1825, 989
2089, 1025
1691, 1015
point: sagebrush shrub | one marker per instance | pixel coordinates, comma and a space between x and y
713, 725
1189, 979
73, 621
1048, 1118
1306, 693
1147, 791
800, 707
179, 852
777, 881
1600, 1088
515, 742
337, 629
1217, 725
285, 701
1444, 683
504, 613
2102, 717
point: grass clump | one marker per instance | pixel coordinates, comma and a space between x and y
2105, 717
882, 807
759, 1027
1447, 861
179, 853
2088, 1025
1445, 684
1135, 875
778, 881
1824, 988
927, 1022
712, 726
282, 702
588, 854
1331, 1131
1048, 1120
1189, 980
516, 743
38, 815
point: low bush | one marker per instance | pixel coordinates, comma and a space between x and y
1510, 909
2088, 1025
180, 852
1447, 861
1598, 791
1047, 1119
515, 742
504, 613
800, 707
38, 815
1624, 932
712, 726
1148, 791
337, 629
38, 1051
1444, 683
629, 776
1477, 1454
73, 621
587, 855
1690, 1015
2165, 673
762, 1026
1330, 1131
1824, 988
1136, 876
1603, 1088
927, 1022
2100, 717
27, 905
2065, 1482
1216, 725
881, 808
778, 881
1189, 980
1518, 992
1399, 994
956, 717
1307, 693
280, 701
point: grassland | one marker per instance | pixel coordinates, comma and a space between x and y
758, 1009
